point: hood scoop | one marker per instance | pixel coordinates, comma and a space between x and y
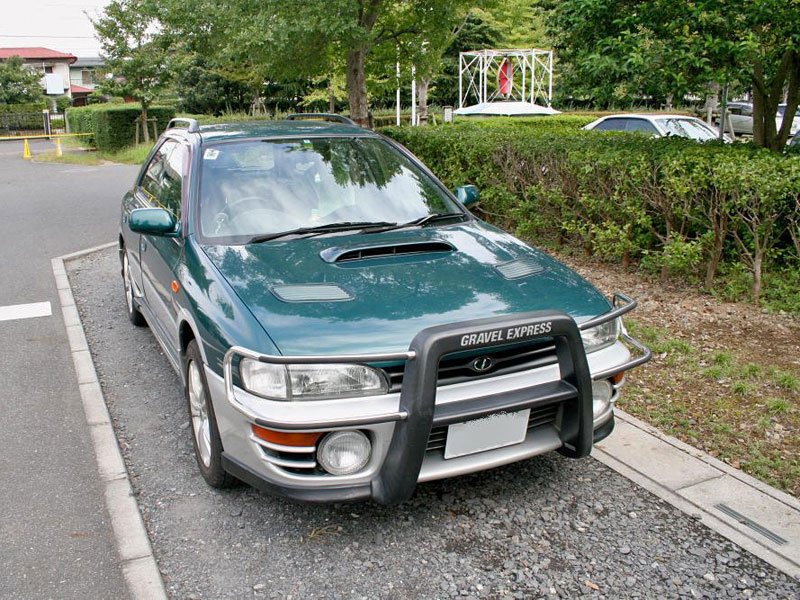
310, 292
519, 268
345, 255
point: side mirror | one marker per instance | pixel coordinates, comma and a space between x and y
468, 194
153, 221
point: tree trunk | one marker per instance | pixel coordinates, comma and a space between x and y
422, 90
145, 124
331, 98
715, 255
767, 94
758, 261
357, 86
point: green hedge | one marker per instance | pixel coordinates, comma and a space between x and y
677, 206
29, 107
114, 126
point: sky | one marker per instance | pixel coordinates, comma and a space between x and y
56, 24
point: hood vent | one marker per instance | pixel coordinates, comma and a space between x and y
341, 255
521, 267
310, 292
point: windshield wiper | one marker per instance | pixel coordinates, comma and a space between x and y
319, 230
417, 222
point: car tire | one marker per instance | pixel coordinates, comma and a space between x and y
203, 422
135, 317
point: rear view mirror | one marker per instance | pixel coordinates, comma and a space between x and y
468, 194
153, 221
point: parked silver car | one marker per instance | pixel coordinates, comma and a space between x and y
741, 118
658, 125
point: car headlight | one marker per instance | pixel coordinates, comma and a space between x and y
311, 382
601, 336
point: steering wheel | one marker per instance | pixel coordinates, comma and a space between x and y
252, 217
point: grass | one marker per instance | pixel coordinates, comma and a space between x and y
742, 412
75, 154
132, 155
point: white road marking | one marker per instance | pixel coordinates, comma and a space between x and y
25, 311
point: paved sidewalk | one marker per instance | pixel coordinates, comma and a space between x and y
759, 518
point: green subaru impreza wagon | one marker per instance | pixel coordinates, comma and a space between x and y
344, 327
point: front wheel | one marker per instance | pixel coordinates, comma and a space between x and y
134, 315
205, 435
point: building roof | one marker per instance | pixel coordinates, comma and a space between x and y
36, 53
79, 89
89, 61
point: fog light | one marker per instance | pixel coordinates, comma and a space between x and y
344, 452
601, 396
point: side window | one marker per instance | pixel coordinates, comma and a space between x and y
171, 181
612, 125
162, 179
642, 126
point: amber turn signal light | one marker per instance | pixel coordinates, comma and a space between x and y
286, 438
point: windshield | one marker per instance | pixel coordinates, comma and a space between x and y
250, 189
689, 128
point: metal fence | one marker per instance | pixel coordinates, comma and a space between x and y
31, 123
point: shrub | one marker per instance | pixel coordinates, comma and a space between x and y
114, 126
683, 207
63, 103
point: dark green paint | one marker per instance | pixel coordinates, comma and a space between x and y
395, 297
224, 297
153, 221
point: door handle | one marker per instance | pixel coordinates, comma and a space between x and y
142, 244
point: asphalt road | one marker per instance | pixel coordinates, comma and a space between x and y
56, 541
548, 527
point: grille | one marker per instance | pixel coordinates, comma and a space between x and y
458, 368
543, 415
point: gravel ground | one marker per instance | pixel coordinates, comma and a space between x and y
547, 527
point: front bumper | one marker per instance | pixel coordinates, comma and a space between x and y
401, 426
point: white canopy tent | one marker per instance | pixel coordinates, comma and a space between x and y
515, 82
506, 109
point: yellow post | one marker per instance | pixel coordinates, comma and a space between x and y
58, 147
26, 150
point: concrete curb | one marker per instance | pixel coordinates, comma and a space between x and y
133, 545
762, 520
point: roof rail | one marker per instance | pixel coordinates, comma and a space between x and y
191, 124
322, 116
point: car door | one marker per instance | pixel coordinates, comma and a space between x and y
162, 187
742, 119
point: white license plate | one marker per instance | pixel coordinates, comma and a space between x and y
495, 431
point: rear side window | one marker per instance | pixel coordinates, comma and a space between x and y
162, 181
612, 125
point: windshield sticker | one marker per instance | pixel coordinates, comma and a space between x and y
211, 154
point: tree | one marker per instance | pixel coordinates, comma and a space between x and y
317, 38
134, 52
18, 84
623, 49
